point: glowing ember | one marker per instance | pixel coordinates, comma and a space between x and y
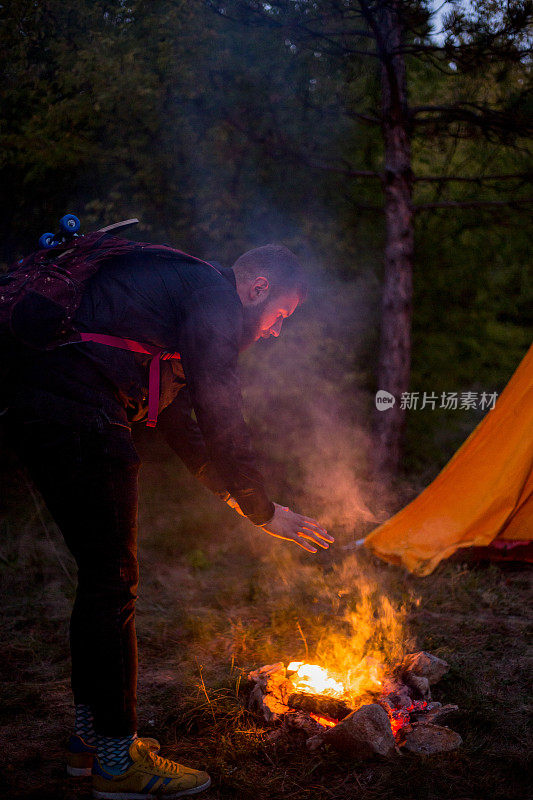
326, 722
399, 717
310, 678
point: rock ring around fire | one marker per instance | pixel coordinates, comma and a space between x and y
400, 715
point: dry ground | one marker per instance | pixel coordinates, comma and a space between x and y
218, 598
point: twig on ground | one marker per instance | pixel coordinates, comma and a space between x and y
304, 639
205, 690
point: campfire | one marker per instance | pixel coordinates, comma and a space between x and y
364, 713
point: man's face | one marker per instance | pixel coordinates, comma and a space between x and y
263, 319
274, 314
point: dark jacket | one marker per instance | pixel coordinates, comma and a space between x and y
180, 305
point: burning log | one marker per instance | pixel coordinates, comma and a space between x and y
271, 708
270, 692
268, 672
319, 704
401, 717
271, 680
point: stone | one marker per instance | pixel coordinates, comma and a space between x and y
314, 743
425, 738
300, 721
419, 684
363, 734
434, 712
425, 665
402, 697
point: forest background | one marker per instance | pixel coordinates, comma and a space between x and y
220, 134
222, 130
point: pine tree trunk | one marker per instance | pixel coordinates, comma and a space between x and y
396, 306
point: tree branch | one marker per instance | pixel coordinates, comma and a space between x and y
263, 17
488, 120
471, 204
309, 161
453, 53
363, 117
273, 148
473, 179
465, 107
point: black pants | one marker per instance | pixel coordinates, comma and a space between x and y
88, 479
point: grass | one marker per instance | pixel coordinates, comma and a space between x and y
218, 598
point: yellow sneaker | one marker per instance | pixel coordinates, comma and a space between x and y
150, 776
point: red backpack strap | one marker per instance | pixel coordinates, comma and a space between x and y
157, 355
123, 247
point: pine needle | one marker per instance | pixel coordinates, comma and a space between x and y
205, 690
304, 639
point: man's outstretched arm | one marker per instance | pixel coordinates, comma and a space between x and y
209, 346
210, 332
184, 436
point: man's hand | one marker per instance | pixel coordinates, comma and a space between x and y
303, 531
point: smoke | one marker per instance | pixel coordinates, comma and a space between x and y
332, 461
308, 397
308, 394
343, 619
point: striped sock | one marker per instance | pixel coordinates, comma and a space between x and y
113, 753
84, 724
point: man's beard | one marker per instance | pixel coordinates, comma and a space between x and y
251, 323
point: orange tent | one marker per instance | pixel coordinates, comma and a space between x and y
484, 493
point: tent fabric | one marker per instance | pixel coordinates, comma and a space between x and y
484, 492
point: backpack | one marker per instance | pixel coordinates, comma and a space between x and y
40, 295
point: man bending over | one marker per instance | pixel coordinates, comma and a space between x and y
71, 418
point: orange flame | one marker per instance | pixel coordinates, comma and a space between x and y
310, 678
